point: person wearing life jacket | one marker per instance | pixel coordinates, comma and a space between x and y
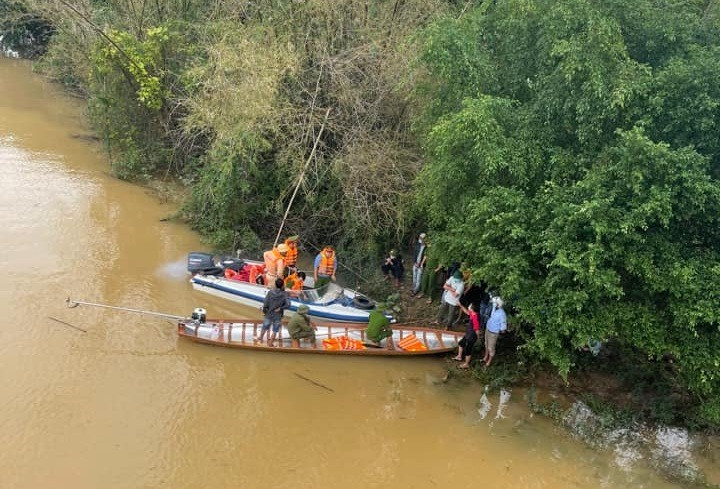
274, 263
325, 266
295, 281
291, 256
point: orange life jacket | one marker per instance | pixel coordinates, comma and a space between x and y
230, 273
255, 270
412, 343
291, 255
297, 282
274, 264
342, 343
327, 265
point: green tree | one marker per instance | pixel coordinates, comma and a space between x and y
584, 184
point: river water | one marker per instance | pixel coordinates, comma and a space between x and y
126, 404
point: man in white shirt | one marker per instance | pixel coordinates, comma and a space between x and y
453, 289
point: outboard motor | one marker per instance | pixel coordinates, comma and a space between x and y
199, 315
202, 263
232, 263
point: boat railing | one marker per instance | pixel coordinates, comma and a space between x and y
323, 295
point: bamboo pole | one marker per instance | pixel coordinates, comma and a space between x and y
301, 177
72, 303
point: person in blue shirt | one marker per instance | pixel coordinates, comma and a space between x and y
495, 325
325, 266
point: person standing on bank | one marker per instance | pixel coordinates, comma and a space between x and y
467, 343
419, 257
325, 266
276, 301
450, 299
495, 325
393, 268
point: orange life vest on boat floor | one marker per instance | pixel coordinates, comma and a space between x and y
255, 271
411, 343
342, 343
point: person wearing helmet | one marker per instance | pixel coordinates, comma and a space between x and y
379, 326
299, 327
291, 255
275, 263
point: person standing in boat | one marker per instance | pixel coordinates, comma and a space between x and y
291, 255
276, 301
275, 263
325, 266
300, 327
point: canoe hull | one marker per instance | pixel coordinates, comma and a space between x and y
239, 333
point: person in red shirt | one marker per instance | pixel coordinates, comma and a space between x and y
466, 344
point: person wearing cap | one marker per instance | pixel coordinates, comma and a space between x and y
299, 327
450, 301
291, 255
325, 266
495, 325
379, 326
274, 305
275, 263
419, 257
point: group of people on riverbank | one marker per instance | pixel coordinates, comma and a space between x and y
460, 297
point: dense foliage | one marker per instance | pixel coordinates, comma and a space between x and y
23, 31
567, 150
574, 162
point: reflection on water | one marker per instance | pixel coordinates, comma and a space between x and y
129, 405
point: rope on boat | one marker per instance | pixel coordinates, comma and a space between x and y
72, 304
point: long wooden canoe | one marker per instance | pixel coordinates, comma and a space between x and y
240, 333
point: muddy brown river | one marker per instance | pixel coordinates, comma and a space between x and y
127, 404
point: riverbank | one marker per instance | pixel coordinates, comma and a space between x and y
614, 400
